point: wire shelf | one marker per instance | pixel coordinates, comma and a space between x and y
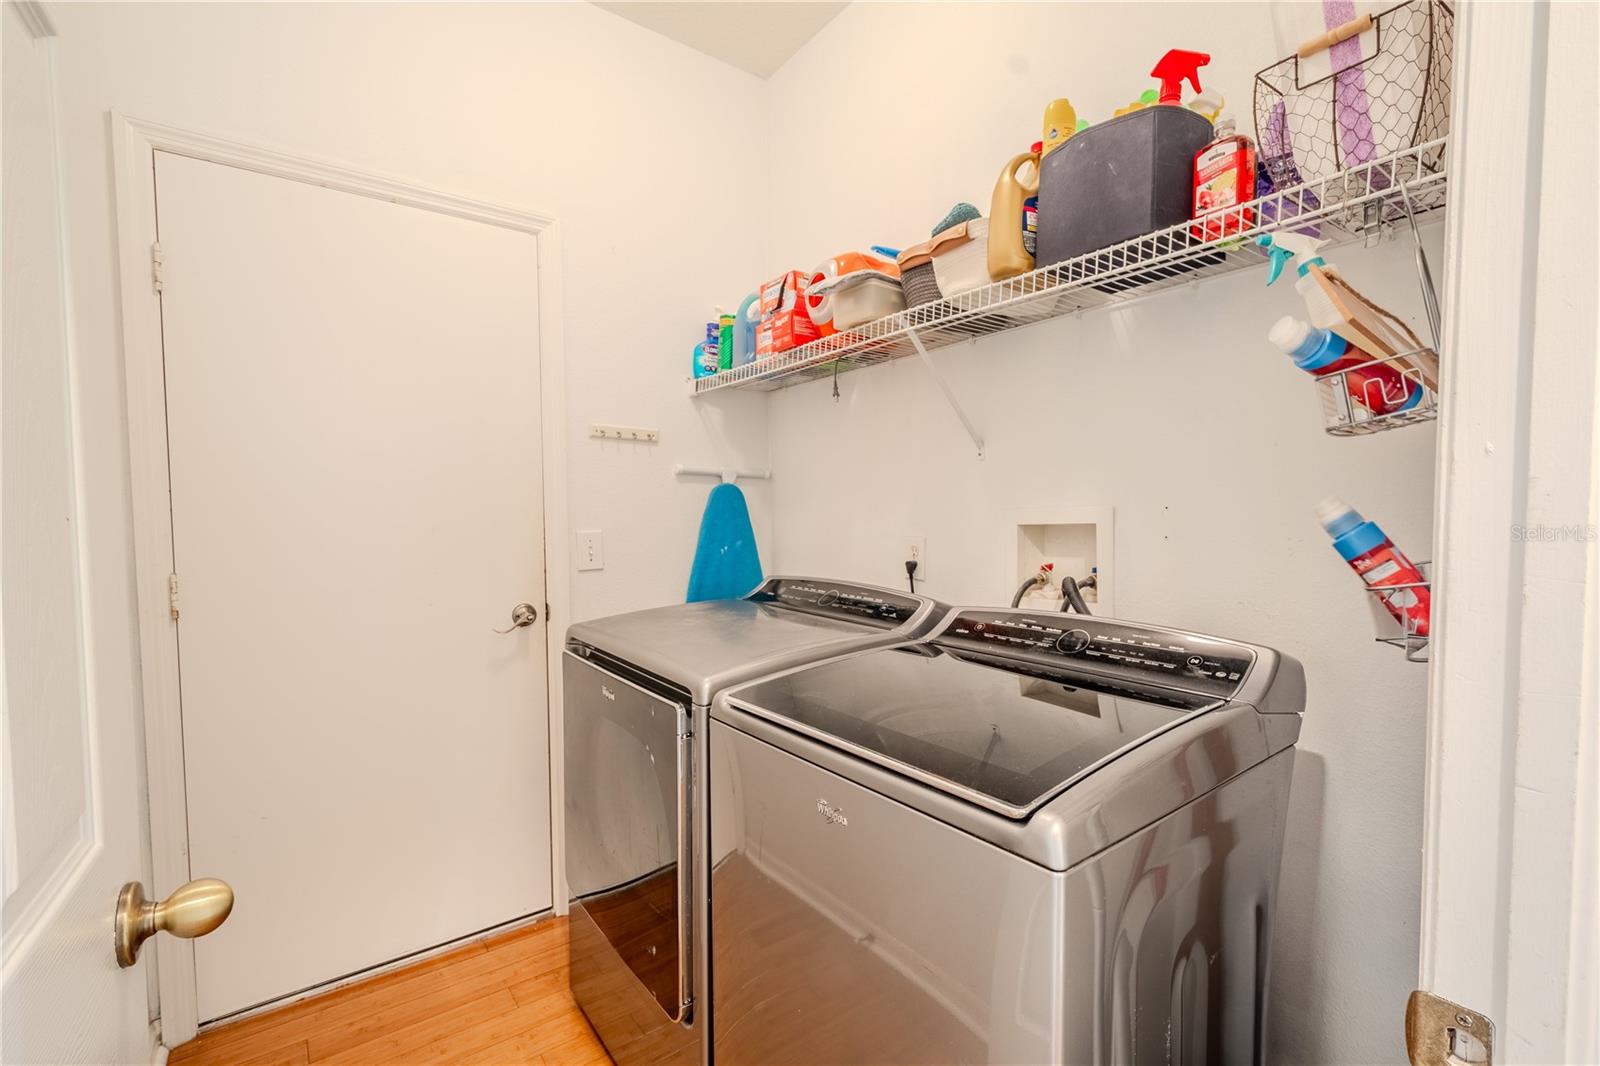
1360, 204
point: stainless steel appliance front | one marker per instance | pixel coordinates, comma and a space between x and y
849, 928
639, 967
628, 808
1035, 841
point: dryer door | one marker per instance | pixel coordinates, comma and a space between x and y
628, 838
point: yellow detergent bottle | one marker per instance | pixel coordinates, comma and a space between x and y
1146, 99
1060, 122
1013, 215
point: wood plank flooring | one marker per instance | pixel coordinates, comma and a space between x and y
498, 1001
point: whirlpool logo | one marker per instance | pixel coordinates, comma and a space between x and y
831, 813
608, 694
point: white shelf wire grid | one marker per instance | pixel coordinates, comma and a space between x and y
1413, 643
1361, 204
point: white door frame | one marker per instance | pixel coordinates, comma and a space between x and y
1509, 887
134, 144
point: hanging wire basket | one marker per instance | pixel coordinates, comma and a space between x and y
1378, 395
1412, 637
1372, 87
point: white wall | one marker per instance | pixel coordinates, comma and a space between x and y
561, 108
1175, 412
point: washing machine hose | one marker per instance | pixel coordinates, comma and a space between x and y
1071, 597
1022, 590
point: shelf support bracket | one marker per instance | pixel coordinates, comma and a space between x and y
1430, 295
944, 387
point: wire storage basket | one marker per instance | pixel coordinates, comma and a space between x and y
1380, 394
1370, 88
920, 284
1402, 599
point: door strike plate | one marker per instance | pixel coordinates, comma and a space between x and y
1442, 1033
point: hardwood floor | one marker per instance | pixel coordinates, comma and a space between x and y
498, 1001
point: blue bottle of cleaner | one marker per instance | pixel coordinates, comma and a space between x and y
1378, 387
705, 362
707, 357
1373, 556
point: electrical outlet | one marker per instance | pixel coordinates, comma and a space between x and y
917, 548
591, 549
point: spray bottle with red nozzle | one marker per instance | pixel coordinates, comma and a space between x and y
1176, 67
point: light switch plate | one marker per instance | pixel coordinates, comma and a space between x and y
591, 549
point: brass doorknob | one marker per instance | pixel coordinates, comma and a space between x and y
195, 909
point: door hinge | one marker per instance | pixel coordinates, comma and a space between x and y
172, 596
157, 264
1442, 1033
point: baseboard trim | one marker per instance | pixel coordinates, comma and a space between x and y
381, 968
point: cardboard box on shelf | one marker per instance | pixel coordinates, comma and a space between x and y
781, 293
783, 331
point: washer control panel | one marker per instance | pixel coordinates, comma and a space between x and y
1073, 644
862, 603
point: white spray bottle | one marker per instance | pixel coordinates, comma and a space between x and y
1310, 272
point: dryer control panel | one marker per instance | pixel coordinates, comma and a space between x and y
1074, 644
838, 599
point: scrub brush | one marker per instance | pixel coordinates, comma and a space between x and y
962, 212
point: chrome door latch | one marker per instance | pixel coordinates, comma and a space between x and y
1442, 1033
522, 616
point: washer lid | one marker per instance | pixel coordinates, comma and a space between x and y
1004, 734
702, 647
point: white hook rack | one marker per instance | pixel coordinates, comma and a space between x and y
728, 476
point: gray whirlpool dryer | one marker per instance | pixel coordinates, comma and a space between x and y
637, 688
1031, 838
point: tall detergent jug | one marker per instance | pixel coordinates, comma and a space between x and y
745, 321
1012, 224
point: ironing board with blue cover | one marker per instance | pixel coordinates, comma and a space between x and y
726, 562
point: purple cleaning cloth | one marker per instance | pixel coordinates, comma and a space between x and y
1352, 105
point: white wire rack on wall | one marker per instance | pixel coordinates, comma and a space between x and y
1364, 203
1379, 394
1402, 598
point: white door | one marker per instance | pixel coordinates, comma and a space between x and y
354, 456
69, 783
1510, 924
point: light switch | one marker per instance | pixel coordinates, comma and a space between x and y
591, 549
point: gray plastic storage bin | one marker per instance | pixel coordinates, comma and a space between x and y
1118, 180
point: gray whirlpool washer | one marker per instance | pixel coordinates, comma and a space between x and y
636, 693
1043, 839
